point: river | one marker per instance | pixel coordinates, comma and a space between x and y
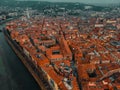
13, 74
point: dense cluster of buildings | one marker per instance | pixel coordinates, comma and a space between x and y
73, 53
7, 13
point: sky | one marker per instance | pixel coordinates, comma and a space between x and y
83, 1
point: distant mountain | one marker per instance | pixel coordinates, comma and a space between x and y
40, 5
106, 4
13, 2
6, 2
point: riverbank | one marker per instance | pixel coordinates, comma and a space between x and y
13, 74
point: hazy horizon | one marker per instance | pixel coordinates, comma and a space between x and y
83, 1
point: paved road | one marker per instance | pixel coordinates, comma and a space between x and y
13, 74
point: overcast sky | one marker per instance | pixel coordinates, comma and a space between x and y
84, 1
